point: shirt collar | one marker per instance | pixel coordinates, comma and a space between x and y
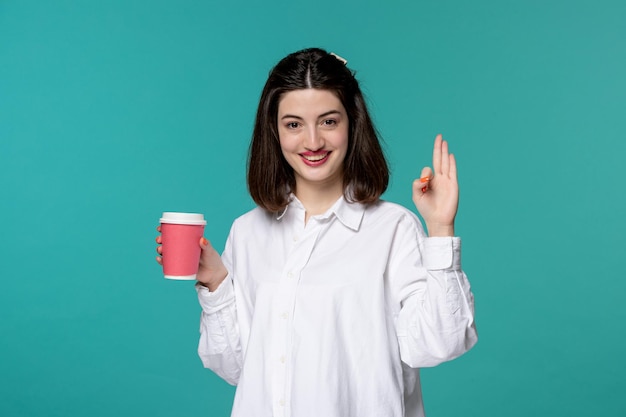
350, 214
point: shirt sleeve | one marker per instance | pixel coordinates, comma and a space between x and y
220, 346
436, 319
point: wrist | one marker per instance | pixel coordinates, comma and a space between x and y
214, 281
440, 230
211, 286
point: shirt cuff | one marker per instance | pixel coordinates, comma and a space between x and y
212, 302
442, 252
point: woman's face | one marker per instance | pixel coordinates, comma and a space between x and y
313, 132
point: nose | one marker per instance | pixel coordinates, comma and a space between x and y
314, 140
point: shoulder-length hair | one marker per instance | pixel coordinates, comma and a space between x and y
365, 169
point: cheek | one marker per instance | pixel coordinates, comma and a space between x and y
343, 141
284, 144
286, 149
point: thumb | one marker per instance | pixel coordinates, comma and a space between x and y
421, 185
206, 253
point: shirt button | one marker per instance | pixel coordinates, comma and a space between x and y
295, 238
290, 274
282, 359
282, 403
284, 316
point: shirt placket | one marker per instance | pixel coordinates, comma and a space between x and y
302, 247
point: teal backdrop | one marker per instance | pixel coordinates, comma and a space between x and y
112, 112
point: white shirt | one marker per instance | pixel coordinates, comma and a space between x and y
334, 318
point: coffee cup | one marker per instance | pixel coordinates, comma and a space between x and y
180, 237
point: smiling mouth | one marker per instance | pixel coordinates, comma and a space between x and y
315, 157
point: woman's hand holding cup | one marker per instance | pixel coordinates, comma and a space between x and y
185, 254
211, 271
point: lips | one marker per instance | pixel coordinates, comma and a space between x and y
314, 158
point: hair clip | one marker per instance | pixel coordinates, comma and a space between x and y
345, 61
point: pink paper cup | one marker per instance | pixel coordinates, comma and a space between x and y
180, 237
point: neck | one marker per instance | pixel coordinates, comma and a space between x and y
316, 200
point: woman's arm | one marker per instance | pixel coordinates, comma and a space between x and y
436, 320
219, 347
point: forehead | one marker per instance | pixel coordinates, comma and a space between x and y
309, 101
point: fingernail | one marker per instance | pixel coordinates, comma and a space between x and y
424, 189
424, 179
204, 242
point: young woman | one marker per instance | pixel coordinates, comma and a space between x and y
327, 300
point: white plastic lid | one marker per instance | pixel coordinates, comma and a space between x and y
182, 218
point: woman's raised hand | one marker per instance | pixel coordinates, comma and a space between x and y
436, 192
211, 271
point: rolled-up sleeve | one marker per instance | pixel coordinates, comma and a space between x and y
436, 320
219, 347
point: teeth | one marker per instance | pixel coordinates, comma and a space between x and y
315, 158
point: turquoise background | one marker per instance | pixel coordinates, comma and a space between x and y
114, 111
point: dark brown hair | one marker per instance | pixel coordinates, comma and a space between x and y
270, 178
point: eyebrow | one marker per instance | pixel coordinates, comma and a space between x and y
293, 116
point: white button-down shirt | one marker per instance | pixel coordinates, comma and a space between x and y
334, 318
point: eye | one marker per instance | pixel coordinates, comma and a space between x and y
292, 125
329, 122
